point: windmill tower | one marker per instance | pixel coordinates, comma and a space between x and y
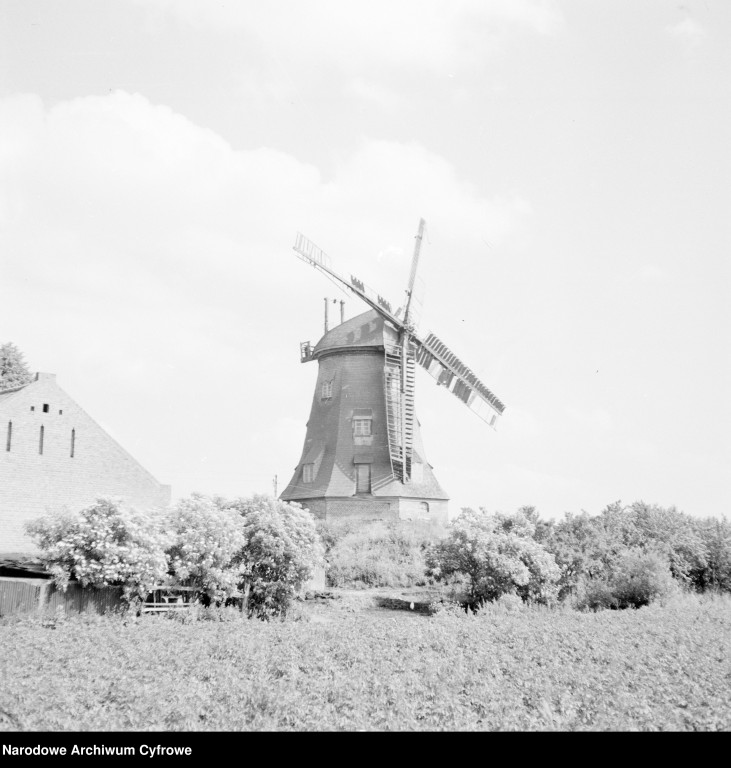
363, 457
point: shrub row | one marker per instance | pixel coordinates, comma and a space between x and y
259, 549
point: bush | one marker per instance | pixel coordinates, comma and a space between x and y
589, 548
105, 544
498, 555
376, 554
280, 552
594, 595
640, 578
206, 537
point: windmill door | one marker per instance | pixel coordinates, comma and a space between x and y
362, 478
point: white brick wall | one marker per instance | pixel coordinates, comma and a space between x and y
32, 484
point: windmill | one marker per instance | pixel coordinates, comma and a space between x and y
363, 456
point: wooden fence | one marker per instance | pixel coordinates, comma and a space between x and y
23, 596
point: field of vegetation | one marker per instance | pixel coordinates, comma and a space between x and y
342, 667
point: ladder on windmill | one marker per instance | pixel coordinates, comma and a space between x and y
400, 409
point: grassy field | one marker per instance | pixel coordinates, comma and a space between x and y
348, 665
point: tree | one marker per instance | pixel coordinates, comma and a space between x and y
105, 544
669, 533
206, 537
716, 571
640, 577
498, 555
280, 552
13, 370
589, 548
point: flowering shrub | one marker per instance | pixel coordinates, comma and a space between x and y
206, 536
105, 544
375, 554
498, 555
281, 549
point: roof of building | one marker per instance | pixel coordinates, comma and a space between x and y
366, 330
6, 394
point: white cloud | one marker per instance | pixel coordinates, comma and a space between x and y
438, 35
688, 32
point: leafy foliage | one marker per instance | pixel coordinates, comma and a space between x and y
641, 577
376, 554
206, 537
595, 548
280, 552
13, 369
105, 544
498, 554
715, 573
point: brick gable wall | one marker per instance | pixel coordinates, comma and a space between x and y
32, 484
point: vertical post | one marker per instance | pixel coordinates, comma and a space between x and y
327, 309
275, 486
342, 311
42, 596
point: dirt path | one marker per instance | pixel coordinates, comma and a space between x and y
335, 604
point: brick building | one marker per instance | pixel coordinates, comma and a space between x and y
345, 470
53, 456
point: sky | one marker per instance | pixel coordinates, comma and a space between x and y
572, 161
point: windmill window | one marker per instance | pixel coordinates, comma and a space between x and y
327, 390
424, 506
308, 473
32, 407
45, 407
60, 413
361, 427
10, 436
40, 441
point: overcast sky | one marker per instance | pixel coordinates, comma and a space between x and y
572, 161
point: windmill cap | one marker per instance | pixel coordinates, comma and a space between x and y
368, 330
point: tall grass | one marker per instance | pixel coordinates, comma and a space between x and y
507, 667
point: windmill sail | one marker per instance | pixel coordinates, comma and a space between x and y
309, 252
449, 371
401, 358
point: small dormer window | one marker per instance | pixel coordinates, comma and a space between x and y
361, 427
326, 391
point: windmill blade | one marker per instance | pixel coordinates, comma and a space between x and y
449, 371
414, 267
307, 251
